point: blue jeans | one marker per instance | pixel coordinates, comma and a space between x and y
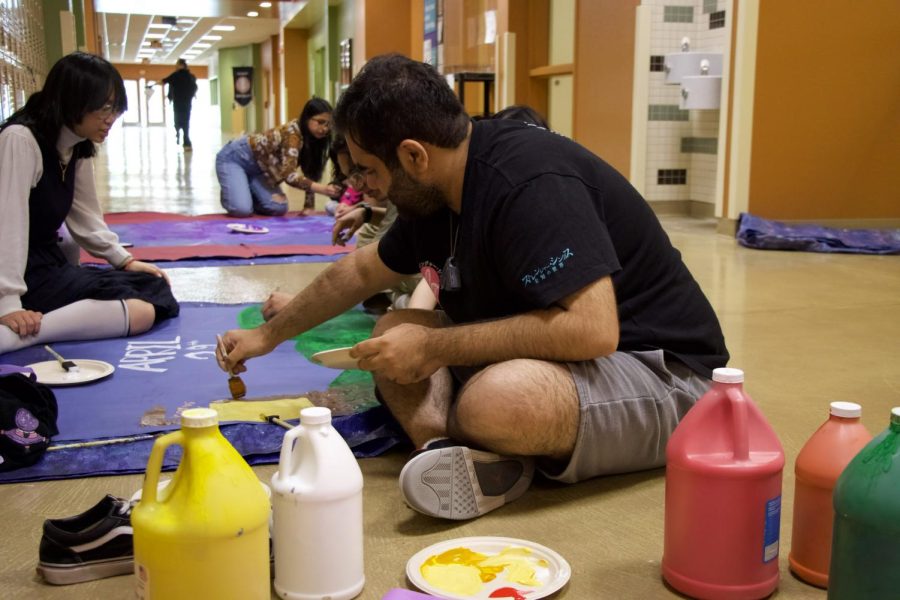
244, 189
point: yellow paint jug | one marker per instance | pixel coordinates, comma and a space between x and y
206, 534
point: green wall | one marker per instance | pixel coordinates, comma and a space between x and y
78, 11
52, 30
319, 77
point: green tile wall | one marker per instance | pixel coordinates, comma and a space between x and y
678, 14
667, 112
700, 145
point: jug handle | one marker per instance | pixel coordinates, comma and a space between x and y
739, 420
286, 461
154, 465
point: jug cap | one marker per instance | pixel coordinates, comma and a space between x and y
728, 375
315, 415
199, 417
848, 410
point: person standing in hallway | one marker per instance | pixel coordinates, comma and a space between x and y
46, 179
251, 168
572, 338
182, 89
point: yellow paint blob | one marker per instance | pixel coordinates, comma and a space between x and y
463, 572
461, 580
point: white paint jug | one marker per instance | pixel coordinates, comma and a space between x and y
317, 513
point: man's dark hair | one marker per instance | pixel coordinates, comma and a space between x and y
78, 84
181, 63
314, 152
394, 98
522, 112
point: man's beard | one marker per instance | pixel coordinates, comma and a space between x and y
413, 199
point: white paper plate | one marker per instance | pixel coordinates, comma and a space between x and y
247, 228
339, 358
552, 577
51, 373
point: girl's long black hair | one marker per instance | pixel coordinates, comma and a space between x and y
314, 152
78, 84
338, 146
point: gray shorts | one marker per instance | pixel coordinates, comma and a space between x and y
630, 404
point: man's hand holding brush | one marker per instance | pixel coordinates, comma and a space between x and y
235, 384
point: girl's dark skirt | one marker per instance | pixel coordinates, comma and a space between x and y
53, 283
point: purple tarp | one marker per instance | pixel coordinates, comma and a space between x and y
756, 232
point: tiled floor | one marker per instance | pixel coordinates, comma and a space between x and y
806, 328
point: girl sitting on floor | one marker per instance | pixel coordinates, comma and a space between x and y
47, 179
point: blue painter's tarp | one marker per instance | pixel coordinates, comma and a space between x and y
756, 232
173, 367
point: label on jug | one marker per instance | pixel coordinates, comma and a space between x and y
142, 582
773, 526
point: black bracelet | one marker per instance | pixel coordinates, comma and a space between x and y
368, 209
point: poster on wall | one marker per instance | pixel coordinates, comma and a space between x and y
243, 85
431, 33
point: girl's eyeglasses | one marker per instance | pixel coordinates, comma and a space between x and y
108, 110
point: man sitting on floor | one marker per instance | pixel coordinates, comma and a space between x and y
571, 337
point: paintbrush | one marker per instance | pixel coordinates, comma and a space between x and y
275, 420
235, 384
68, 365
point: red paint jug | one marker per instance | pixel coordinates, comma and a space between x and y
818, 467
723, 497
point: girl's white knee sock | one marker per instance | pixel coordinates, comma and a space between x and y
82, 320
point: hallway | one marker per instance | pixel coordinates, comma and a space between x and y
141, 168
807, 329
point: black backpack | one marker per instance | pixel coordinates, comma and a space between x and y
28, 412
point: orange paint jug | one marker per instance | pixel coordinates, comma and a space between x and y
317, 513
817, 469
205, 534
723, 497
865, 546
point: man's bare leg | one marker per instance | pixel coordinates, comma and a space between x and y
421, 408
520, 407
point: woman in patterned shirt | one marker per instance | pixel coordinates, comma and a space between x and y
251, 168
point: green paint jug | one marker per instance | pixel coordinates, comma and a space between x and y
865, 548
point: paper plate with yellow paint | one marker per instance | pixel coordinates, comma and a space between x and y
488, 568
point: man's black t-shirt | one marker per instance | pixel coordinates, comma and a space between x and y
541, 218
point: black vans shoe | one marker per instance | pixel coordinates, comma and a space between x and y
97, 543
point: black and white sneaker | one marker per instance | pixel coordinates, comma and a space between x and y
97, 543
461, 483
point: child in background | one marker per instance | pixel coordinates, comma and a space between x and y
342, 175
